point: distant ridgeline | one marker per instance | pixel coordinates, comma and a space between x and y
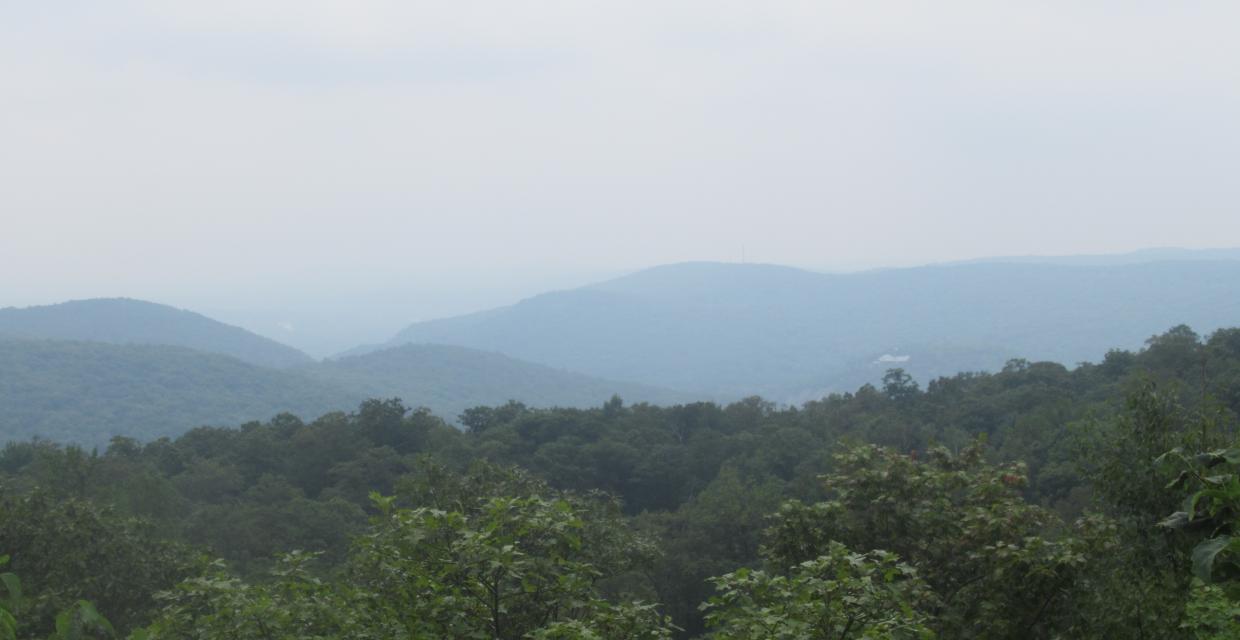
125, 321
729, 330
84, 371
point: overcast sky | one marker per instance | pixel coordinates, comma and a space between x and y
230, 154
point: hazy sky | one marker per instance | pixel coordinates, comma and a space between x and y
247, 157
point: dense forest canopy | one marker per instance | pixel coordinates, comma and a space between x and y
1035, 502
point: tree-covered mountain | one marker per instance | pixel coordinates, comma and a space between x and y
452, 379
127, 321
87, 392
789, 334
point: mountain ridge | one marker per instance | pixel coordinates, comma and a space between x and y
87, 392
132, 321
736, 329
489, 378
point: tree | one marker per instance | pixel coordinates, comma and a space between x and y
713, 533
78, 622
899, 385
497, 566
290, 603
501, 555
479, 419
961, 522
383, 423
10, 603
1142, 586
837, 596
70, 550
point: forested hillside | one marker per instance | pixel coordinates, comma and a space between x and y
87, 392
792, 335
452, 379
126, 321
1034, 502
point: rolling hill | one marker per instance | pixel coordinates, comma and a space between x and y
127, 321
86, 392
789, 334
451, 379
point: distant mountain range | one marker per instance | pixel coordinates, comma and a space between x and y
85, 370
731, 329
1156, 254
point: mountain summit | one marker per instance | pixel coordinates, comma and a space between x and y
128, 321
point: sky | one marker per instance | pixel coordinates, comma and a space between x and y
326, 172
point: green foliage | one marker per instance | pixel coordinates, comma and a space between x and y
1209, 518
713, 533
1120, 453
899, 385
500, 566
602, 620
290, 603
86, 392
11, 602
80, 621
838, 595
1211, 510
69, 551
506, 567
963, 523
1211, 615
1142, 586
